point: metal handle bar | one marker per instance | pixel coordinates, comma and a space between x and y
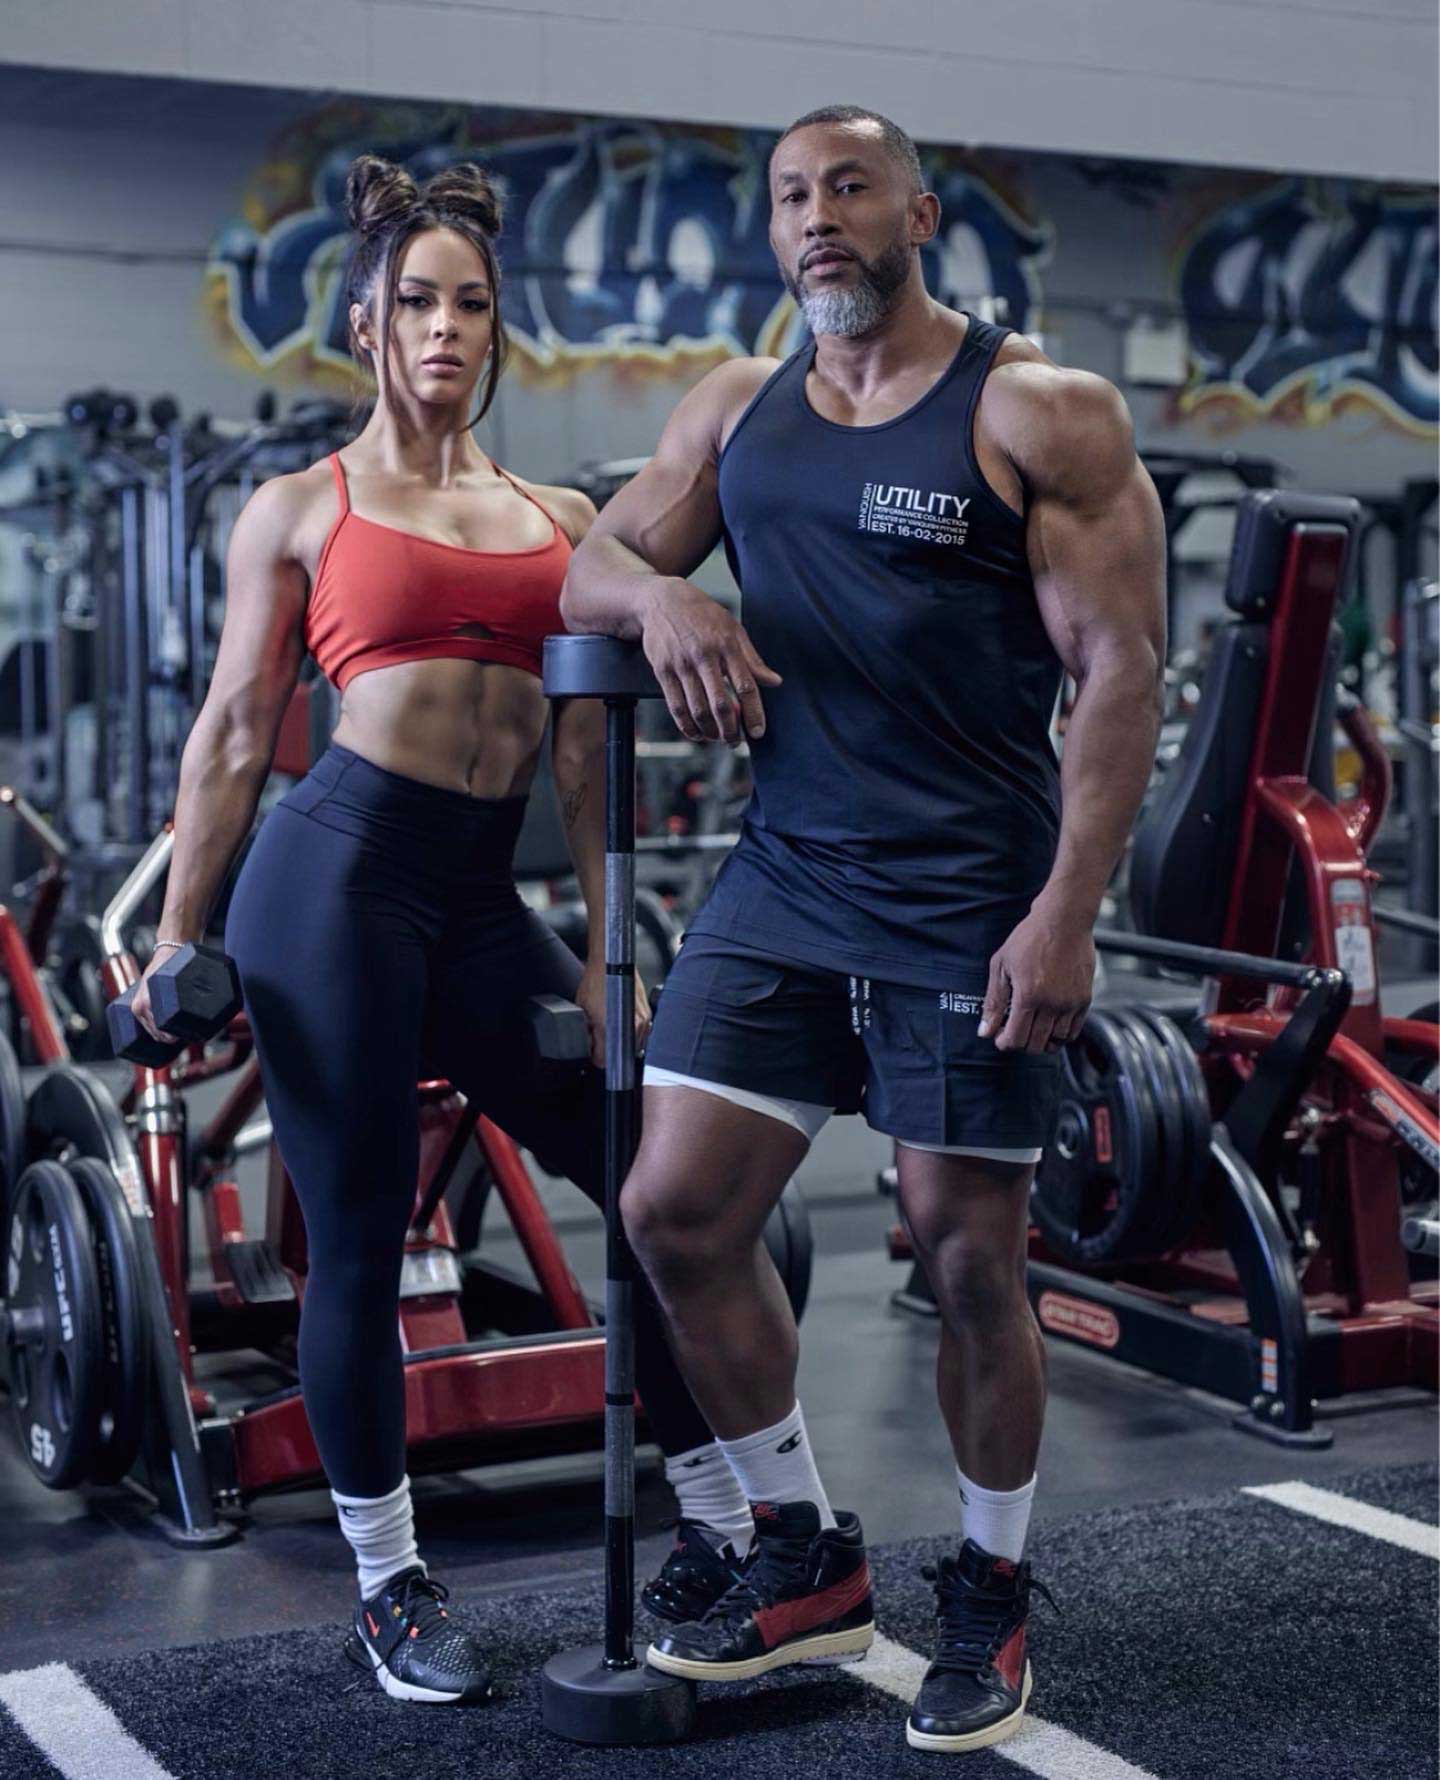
57, 850
146, 875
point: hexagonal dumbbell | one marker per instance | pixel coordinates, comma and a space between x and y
195, 993
554, 1035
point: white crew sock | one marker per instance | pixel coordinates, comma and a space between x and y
381, 1531
709, 1492
997, 1520
777, 1465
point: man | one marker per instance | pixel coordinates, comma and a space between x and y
927, 519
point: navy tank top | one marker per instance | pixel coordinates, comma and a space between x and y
907, 798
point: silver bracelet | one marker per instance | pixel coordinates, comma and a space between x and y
175, 945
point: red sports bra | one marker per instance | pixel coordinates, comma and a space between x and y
383, 596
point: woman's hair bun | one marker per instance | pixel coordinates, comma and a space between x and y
377, 192
467, 191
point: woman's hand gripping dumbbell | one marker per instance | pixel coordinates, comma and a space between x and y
188, 994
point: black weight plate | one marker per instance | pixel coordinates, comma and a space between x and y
1147, 1220
12, 1124
792, 1246
1089, 1188
1172, 1161
73, 1113
1421, 1070
1195, 1096
125, 1345
54, 1336
1173, 1204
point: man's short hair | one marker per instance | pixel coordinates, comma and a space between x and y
896, 142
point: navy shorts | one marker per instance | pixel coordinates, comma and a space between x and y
910, 1059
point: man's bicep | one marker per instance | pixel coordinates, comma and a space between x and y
670, 513
1096, 541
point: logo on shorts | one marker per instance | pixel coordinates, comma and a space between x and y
953, 1002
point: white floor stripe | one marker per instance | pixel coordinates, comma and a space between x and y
1039, 1748
1341, 1511
74, 1727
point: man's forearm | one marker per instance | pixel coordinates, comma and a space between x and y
1109, 750
608, 588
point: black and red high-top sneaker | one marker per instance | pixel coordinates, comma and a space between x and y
698, 1570
974, 1692
803, 1596
415, 1650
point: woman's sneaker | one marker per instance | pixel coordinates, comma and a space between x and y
974, 1693
415, 1650
802, 1597
697, 1571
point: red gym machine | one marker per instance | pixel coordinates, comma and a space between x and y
1277, 1274
467, 1401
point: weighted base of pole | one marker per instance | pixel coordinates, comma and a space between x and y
583, 1700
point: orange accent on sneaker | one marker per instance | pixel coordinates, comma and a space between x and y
374, 1629
789, 1619
765, 1510
1004, 1567
1010, 1664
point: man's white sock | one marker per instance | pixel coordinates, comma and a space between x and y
997, 1520
709, 1492
777, 1465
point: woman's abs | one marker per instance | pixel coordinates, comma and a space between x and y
468, 726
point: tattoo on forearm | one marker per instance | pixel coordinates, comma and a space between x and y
573, 802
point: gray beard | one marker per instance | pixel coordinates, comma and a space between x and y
850, 313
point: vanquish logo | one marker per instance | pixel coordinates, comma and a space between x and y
926, 515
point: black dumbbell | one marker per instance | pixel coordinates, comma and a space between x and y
195, 993
555, 1036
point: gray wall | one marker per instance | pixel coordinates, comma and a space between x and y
120, 194
129, 207
1331, 86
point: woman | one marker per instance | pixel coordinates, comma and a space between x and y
376, 925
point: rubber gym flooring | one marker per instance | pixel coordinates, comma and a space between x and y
1204, 1631
1230, 1634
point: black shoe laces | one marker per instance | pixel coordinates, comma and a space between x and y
420, 1605
972, 1621
770, 1566
708, 1556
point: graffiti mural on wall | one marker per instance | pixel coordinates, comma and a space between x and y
624, 243
1303, 301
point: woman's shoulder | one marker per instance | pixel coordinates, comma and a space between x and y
573, 511
292, 511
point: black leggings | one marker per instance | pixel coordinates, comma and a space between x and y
381, 941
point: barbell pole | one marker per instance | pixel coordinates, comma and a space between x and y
620, 1134
602, 1693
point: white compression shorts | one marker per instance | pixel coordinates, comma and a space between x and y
809, 1119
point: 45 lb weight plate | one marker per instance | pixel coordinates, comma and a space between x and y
124, 1324
1090, 1197
53, 1327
